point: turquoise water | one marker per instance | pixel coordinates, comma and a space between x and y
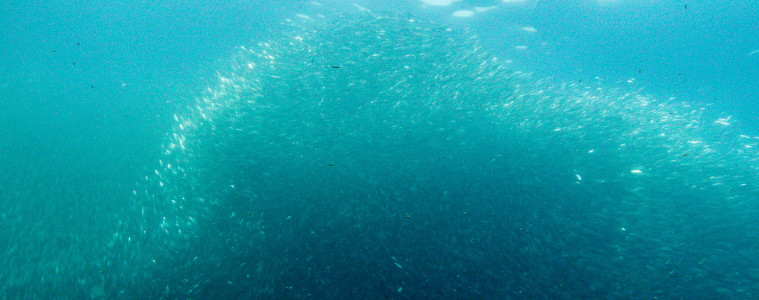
334, 150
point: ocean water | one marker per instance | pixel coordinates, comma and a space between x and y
379, 150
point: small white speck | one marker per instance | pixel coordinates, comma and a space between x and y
463, 13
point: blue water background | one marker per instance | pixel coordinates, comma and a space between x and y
88, 91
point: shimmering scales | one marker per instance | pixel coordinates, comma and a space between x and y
378, 156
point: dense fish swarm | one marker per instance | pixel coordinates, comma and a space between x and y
392, 157
389, 157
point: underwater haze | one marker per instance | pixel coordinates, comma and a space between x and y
433, 149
